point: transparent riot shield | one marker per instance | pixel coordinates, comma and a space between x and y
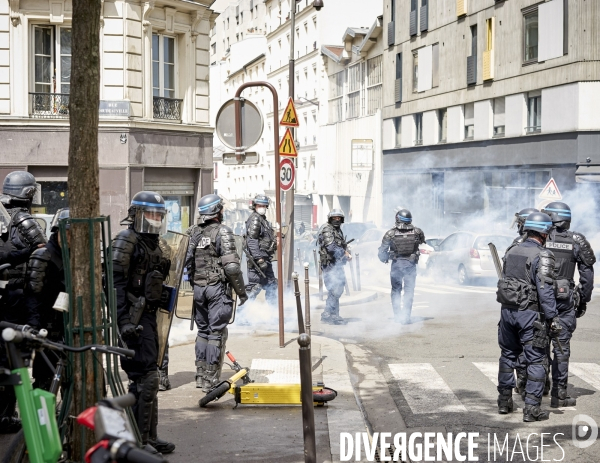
174, 246
4, 219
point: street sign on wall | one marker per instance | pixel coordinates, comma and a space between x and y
287, 174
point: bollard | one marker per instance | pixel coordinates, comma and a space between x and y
352, 274
306, 298
346, 287
320, 282
358, 272
316, 263
308, 411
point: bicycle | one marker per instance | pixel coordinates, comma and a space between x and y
39, 440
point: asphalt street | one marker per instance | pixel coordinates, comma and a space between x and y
439, 374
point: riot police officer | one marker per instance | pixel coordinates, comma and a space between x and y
18, 240
401, 245
571, 250
261, 246
45, 281
213, 262
333, 251
526, 295
139, 272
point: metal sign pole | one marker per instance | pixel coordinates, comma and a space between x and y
238, 143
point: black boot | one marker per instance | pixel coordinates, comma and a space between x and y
162, 446
505, 401
560, 398
534, 413
9, 425
164, 383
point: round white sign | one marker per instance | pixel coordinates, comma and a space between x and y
287, 174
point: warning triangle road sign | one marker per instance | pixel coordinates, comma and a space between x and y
551, 191
290, 117
287, 147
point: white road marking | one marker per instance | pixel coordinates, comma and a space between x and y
489, 369
589, 372
277, 370
468, 289
424, 389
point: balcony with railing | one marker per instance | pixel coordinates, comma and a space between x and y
167, 108
49, 105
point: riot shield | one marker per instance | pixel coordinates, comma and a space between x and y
174, 246
4, 219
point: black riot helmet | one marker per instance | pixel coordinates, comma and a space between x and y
403, 216
210, 207
61, 214
148, 213
20, 185
560, 214
331, 217
538, 222
521, 216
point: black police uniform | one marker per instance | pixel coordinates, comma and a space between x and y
401, 245
571, 250
332, 251
526, 292
139, 272
262, 245
213, 262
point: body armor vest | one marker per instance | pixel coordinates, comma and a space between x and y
404, 243
562, 245
266, 237
148, 272
208, 267
14, 242
326, 233
515, 289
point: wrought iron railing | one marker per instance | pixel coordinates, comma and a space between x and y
49, 105
167, 108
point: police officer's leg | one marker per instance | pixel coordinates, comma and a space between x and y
396, 277
219, 313
537, 365
560, 362
165, 383
254, 285
521, 369
410, 277
9, 423
329, 279
201, 310
271, 286
510, 347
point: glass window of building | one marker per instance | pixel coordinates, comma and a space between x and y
398, 131
499, 119
443, 125
415, 71
530, 37
534, 112
418, 128
469, 121
163, 66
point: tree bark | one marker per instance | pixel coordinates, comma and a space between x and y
84, 201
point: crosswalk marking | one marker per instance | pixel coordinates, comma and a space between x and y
489, 369
589, 372
424, 389
276, 370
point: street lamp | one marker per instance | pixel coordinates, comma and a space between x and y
309, 101
318, 4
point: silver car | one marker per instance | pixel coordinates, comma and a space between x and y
466, 256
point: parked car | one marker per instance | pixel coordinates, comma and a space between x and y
426, 249
466, 256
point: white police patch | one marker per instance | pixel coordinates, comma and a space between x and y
563, 246
204, 242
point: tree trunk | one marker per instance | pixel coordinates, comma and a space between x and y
84, 201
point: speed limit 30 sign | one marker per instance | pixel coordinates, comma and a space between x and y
287, 173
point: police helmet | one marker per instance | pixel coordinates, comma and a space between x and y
538, 222
560, 214
520, 217
260, 200
403, 216
336, 213
149, 212
20, 185
61, 214
210, 207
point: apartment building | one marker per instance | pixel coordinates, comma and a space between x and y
349, 162
154, 111
485, 101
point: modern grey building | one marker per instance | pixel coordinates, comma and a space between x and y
485, 101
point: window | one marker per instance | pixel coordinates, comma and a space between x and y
336, 96
415, 71
163, 66
435, 65
52, 59
499, 123
355, 86
474, 40
374, 84
418, 128
213, 48
362, 154
398, 131
530, 38
443, 125
398, 81
534, 112
469, 121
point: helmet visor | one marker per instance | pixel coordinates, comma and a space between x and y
151, 221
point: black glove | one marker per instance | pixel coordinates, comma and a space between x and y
580, 311
555, 327
128, 329
262, 264
16, 283
242, 300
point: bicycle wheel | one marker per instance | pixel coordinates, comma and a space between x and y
324, 395
215, 394
17, 451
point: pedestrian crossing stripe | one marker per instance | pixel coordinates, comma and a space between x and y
287, 147
290, 117
589, 372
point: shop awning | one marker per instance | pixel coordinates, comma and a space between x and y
587, 174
